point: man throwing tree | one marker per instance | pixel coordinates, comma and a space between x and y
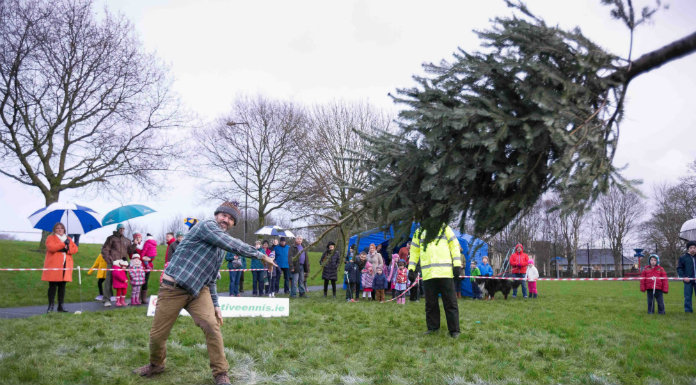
440, 261
188, 283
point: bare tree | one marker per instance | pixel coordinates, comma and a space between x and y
334, 179
674, 205
258, 150
173, 225
81, 104
525, 229
620, 213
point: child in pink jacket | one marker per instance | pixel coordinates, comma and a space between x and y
120, 281
367, 276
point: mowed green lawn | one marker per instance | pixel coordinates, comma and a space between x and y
575, 333
24, 288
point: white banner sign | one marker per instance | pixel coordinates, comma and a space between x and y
241, 307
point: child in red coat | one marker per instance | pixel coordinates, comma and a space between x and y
120, 281
654, 282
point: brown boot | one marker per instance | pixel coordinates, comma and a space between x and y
143, 297
222, 379
149, 370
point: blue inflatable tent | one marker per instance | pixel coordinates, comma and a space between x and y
471, 248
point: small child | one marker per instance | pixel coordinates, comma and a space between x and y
379, 284
653, 281
401, 282
270, 277
136, 273
475, 272
352, 276
532, 276
120, 281
391, 274
100, 265
367, 277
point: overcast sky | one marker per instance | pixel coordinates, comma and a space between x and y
318, 51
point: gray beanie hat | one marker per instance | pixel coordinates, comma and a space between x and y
230, 208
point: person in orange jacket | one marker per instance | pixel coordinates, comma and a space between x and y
59, 257
654, 282
518, 261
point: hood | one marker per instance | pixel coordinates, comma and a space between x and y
520, 246
654, 256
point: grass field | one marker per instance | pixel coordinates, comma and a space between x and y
575, 333
26, 287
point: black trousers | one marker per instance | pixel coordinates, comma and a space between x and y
52, 288
445, 288
651, 302
352, 290
326, 286
100, 281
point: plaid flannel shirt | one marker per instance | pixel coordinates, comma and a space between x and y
197, 259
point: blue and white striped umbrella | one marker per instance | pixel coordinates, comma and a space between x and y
77, 219
275, 230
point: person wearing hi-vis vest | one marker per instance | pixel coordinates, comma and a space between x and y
440, 261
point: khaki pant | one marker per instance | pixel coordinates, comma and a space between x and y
379, 295
170, 301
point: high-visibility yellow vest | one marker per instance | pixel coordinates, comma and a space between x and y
438, 257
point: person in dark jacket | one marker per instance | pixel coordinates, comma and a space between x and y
379, 284
329, 260
352, 273
654, 282
299, 267
686, 269
115, 248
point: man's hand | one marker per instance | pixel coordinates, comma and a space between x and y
269, 261
687, 280
218, 315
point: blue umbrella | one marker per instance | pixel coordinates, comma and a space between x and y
125, 213
275, 230
77, 219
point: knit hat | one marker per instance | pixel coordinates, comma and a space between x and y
231, 208
657, 258
120, 226
401, 262
282, 239
690, 243
137, 235
530, 262
179, 234
136, 255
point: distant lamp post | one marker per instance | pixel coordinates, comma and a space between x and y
246, 173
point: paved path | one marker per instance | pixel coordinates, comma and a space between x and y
28, 311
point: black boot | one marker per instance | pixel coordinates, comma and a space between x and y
60, 308
50, 308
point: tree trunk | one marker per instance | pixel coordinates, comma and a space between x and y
617, 264
50, 197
